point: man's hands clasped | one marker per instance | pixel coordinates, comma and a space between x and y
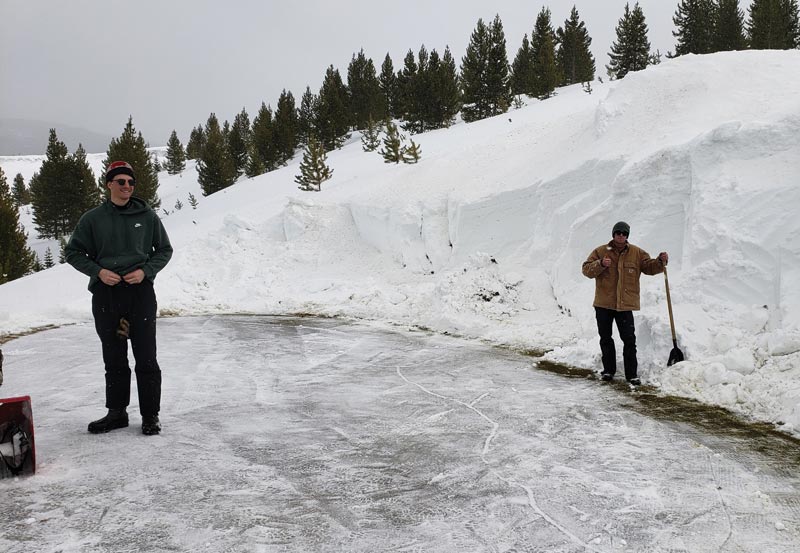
111, 278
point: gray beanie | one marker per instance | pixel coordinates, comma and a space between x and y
621, 226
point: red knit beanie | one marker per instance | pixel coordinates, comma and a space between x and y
119, 168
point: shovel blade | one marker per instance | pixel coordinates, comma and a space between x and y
675, 356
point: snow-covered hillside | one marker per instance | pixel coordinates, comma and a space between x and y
486, 235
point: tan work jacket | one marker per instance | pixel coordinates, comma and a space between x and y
617, 286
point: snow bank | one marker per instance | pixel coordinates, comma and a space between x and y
486, 235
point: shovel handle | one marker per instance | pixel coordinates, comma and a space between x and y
669, 306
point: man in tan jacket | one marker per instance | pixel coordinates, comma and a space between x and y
616, 268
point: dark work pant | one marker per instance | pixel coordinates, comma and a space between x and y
627, 332
137, 304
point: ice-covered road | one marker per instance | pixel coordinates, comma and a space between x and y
324, 435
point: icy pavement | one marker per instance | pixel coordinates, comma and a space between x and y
324, 435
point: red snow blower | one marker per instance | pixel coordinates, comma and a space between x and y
17, 450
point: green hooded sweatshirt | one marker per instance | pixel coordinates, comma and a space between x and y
120, 240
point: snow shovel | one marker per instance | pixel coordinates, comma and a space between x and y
676, 355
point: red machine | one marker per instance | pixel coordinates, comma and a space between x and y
17, 448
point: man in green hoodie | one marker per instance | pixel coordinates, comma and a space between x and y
121, 245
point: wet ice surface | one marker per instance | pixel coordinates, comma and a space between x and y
323, 435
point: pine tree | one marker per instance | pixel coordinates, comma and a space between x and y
20, 194
226, 137
417, 94
498, 71
484, 73
333, 114
440, 95
48, 259
86, 193
176, 157
522, 78
215, 170
366, 97
729, 27
411, 154
388, 84
543, 53
193, 201
773, 25
62, 250
16, 259
371, 137
197, 139
131, 147
792, 22
263, 155
405, 82
178, 204
631, 50
285, 128
574, 56
392, 150
694, 20
62, 191
254, 165
306, 115
47, 192
447, 91
474, 67
239, 142
313, 168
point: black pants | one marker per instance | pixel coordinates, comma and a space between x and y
627, 332
137, 305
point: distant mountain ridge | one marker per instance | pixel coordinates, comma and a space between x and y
28, 137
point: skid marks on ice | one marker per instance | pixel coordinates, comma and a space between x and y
494, 427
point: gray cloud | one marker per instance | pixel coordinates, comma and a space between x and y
91, 63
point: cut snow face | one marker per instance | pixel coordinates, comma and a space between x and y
700, 154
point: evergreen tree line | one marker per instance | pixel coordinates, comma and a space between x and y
16, 259
429, 90
706, 26
65, 186
427, 93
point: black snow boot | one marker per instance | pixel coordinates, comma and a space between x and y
116, 418
151, 425
606, 377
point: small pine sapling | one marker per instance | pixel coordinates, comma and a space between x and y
392, 150
371, 137
313, 169
411, 154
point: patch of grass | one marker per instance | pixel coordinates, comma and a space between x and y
564, 370
8, 337
698, 418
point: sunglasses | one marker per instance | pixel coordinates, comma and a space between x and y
123, 182
622, 232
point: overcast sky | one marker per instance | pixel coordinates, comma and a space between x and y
91, 63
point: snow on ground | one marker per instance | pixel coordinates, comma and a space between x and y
306, 434
485, 237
